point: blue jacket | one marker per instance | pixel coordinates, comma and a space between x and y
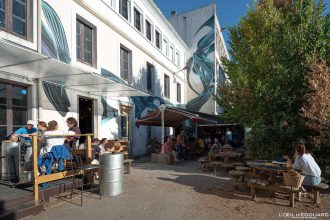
58, 153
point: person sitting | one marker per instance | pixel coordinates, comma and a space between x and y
167, 148
26, 132
113, 147
95, 148
215, 148
50, 141
102, 144
72, 124
305, 163
200, 145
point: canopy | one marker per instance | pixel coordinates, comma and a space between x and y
26, 63
172, 117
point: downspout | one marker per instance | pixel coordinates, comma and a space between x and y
38, 81
162, 108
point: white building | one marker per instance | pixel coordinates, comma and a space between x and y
201, 31
104, 62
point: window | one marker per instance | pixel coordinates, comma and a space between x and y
178, 59
172, 53
148, 30
137, 19
178, 94
166, 86
123, 8
165, 47
124, 126
16, 17
157, 39
125, 64
84, 34
149, 77
13, 108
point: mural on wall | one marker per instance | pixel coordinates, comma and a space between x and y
201, 65
140, 102
54, 44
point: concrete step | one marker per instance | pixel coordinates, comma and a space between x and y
21, 211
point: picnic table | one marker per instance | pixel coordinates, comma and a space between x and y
267, 169
227, 155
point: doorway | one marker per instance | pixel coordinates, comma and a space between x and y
86, 115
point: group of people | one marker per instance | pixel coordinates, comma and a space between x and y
104, 146
179, 148
50, 134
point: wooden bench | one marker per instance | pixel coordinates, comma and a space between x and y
316, 189
237, 174
127, 165
262, 184
215, 165
203, 162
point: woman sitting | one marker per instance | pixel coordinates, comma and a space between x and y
167, 148
307, 165
51, 140
215, 148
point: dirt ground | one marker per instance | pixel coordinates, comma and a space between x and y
183, 191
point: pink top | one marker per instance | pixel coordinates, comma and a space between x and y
167, 147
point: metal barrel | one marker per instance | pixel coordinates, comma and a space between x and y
111, 174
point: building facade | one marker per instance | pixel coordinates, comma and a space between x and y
201, 31
104, 62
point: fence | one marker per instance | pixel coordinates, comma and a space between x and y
55, 176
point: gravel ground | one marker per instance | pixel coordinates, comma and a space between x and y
182, 191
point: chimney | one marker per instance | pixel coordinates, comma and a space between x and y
173, 13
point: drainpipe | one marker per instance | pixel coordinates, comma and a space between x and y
162, 109
38, 81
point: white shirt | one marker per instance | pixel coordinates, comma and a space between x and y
307, 165
53, 141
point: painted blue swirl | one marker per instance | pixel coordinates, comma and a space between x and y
200, 65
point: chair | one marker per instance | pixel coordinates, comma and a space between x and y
88, 170
7, 159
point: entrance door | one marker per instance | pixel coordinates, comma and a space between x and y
13, 108
86, 115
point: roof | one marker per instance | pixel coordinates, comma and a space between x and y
173, 117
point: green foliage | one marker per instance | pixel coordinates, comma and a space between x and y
272, 50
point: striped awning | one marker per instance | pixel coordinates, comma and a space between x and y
173, 117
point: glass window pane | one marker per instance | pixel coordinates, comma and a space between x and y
3, 93
19, 96
3, 133
2, 13
2, 19
88, 57
3, 115
19, 9
19, 116
19, 26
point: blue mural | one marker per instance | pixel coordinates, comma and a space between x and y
54, 44
202, 66
140, 102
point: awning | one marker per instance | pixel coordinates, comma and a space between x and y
172, 117
17, 60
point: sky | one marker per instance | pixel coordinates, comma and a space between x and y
228, 11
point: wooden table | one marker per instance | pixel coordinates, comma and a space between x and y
227, 155
268, 168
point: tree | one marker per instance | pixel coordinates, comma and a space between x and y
273, 47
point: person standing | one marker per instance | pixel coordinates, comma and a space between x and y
73, 126
180, 144
229, 136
